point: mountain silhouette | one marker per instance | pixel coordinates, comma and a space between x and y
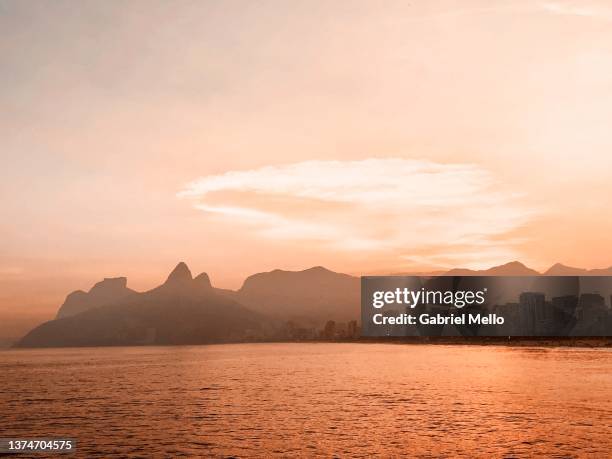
180, 276
188, 310
313, 295
559, 269
180, 311
107, 291
514, 268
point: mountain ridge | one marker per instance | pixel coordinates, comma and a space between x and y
114, 289
187, 309
182, 310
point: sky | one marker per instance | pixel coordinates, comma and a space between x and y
244, 136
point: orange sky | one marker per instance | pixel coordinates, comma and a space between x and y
244, 136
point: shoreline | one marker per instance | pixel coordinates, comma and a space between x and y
588, 342
577, 342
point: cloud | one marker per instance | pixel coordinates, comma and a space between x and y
577, 9
413, 210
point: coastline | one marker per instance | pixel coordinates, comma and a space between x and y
544, 342
583, 342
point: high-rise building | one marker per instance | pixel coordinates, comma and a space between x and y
567, 303
592, 300
592, 307
352, 329
531, 311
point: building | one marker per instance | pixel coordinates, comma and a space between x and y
329, 332
531, 305
352, 330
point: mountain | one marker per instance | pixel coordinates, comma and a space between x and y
313, 295
182, 310
105, 292
514, 268
559, 269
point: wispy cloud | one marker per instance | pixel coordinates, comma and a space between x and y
413, 209
577, 9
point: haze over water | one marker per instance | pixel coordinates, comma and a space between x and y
314, 399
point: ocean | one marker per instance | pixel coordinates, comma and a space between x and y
313, 399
